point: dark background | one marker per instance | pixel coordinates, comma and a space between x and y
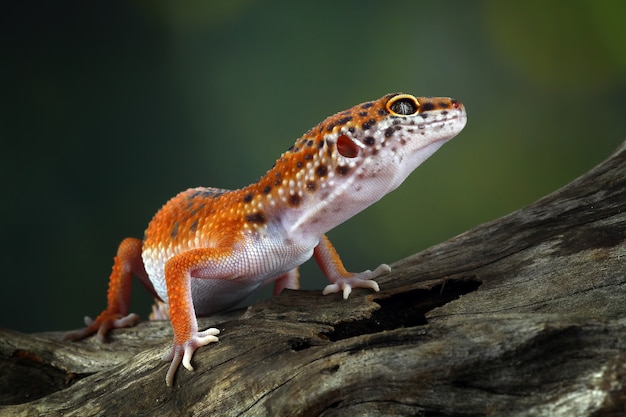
110, 108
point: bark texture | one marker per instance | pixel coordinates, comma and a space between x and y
522, 316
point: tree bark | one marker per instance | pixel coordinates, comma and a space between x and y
522, 316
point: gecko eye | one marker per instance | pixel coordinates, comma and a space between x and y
403, 105
346, 147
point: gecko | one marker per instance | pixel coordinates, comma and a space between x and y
207, 249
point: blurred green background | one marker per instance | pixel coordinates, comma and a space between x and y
111, 108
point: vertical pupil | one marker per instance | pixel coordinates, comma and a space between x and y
404, 107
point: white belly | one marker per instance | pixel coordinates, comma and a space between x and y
222, 284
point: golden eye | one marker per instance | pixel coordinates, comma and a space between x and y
403, 105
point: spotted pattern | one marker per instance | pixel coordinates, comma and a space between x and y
209, 217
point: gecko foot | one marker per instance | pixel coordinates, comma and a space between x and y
360, 280
183, 352
102, 324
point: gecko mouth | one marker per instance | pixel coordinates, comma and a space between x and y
458, 119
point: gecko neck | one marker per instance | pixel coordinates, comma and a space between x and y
350, 161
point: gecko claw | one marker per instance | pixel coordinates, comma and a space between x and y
182, 353
360, 280
102, 324
345, 286
346, 291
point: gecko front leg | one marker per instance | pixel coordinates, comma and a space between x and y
341, 280
203, 263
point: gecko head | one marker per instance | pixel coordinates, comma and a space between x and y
367, 151
388, 138
399, 133
355, 157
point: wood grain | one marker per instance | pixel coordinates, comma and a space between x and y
522, 316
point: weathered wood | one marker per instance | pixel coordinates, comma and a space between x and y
522, 316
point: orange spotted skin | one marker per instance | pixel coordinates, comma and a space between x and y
207, 249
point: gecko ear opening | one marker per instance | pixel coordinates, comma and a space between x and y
347, 148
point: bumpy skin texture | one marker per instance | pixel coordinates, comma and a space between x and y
207, 249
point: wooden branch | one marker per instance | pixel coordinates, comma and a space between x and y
522, 316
